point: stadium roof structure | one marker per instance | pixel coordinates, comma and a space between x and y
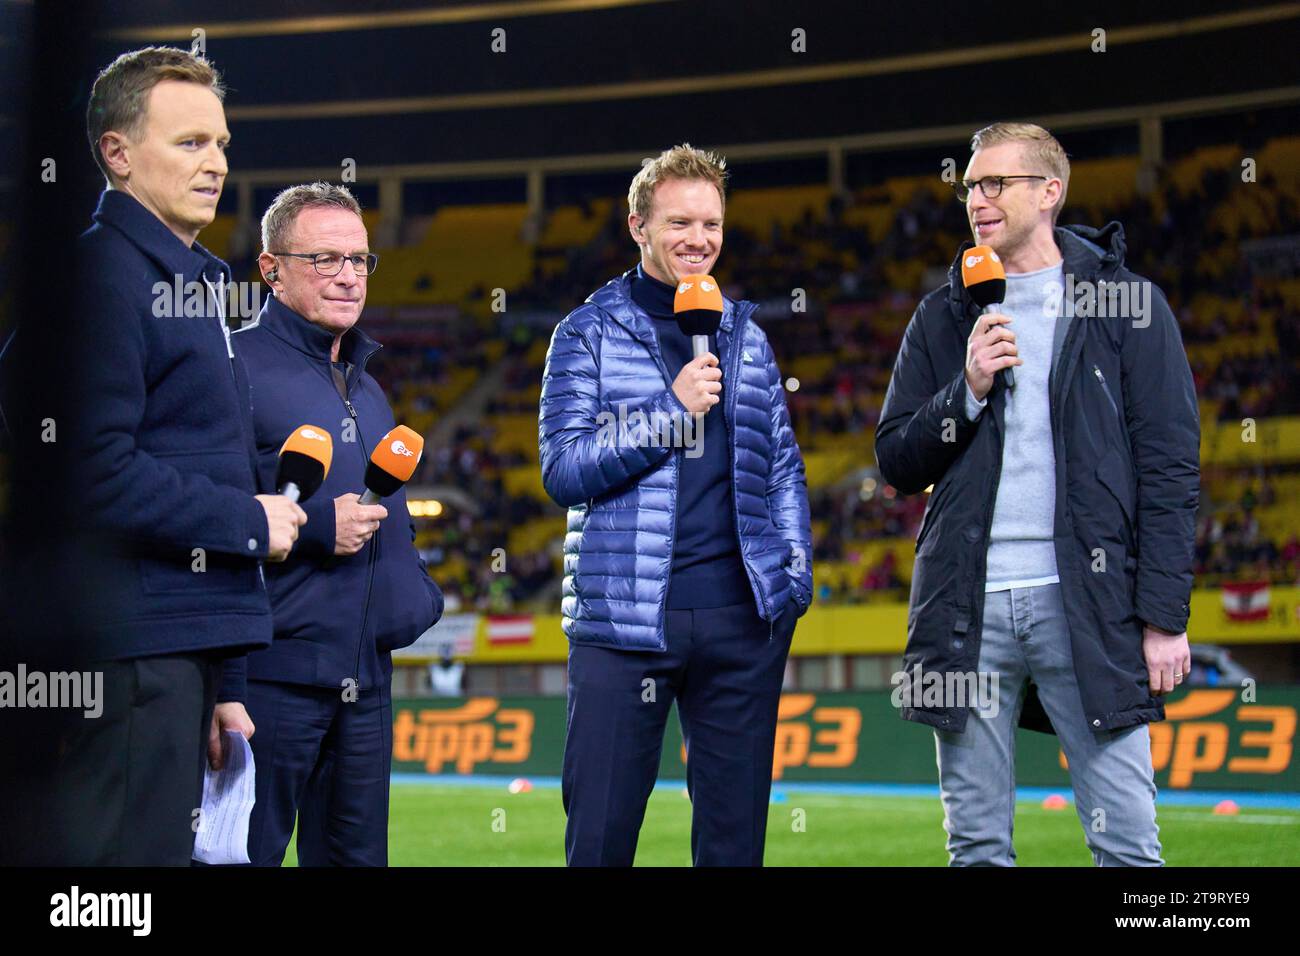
570, 84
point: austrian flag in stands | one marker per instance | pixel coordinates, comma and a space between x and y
1246, 601
512, 629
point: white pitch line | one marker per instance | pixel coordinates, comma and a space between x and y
1228, 818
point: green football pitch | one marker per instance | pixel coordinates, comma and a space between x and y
466, 825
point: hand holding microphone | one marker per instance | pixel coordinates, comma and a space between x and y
697, 306
283, 519
355, 523
392, 463
699, 384
304, 462
991, 349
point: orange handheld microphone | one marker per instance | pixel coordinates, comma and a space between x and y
392, 463
305, 460
985, 279
697, 306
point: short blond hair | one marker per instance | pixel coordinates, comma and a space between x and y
120, 97
1042, 152
680, 162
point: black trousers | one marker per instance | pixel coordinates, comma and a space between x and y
129, 782
725, 674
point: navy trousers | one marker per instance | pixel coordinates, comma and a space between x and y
725, 675
327, 762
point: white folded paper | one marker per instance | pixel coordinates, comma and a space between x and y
228, 798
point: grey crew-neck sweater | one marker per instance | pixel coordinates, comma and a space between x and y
1021, 551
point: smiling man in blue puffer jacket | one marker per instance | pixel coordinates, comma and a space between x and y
687, 560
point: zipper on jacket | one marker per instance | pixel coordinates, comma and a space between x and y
1065, 365
220, 302
977, 599
657, 355
374, 550
733, 396
1114, 408
1096, 370
374, 541
672, 543
1056, 395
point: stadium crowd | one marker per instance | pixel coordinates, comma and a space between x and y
1240, 324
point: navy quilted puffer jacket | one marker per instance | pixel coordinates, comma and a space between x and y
622, 495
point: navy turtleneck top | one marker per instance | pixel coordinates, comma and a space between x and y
707, 569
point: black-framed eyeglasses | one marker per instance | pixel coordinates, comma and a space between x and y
990, 186
331, 263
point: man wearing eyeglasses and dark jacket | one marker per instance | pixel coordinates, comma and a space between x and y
1056, 548
355, 588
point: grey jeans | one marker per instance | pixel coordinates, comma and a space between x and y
1025, 639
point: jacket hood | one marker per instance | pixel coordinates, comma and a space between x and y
1105, 244
1086, 251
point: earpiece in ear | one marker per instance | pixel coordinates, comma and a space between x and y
273, 275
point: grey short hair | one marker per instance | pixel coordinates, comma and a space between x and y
283, 212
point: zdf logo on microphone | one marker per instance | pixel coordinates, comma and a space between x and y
312, 434
684, 287
398, 447
973, 261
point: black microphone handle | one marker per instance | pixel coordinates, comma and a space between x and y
1004, 375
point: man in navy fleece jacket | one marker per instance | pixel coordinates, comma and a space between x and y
355, 587
167, 465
